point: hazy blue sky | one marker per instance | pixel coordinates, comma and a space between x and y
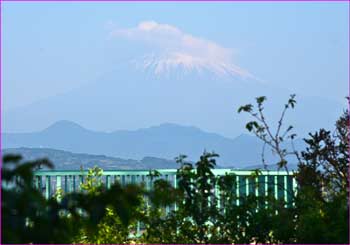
49, 48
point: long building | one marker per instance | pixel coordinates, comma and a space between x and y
281, 183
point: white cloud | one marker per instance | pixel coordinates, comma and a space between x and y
178, 48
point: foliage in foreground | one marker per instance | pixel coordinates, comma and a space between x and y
321, 213
27, 217
202, 209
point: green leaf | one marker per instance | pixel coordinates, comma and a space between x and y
292, 101
245, 108
253, 124
260, 99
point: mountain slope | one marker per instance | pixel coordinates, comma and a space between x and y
128, 98
65, 160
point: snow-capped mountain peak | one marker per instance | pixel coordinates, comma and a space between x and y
182, 62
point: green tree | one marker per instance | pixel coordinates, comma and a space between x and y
323, 193
264, 131
320, 213
28, 217
117, 210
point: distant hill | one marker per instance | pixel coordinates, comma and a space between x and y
165, 141
65, 160
271, 167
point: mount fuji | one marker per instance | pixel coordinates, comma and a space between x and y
170, 87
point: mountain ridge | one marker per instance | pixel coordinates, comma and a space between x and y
163, 141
